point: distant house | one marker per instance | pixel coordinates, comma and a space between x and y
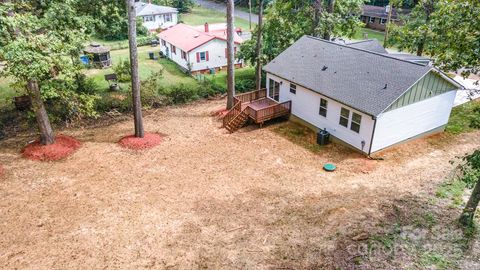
156, 17
198, 49
366, 99
375, 17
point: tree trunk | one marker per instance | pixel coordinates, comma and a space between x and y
389, 17
317, 6
428, 7
330, 9
46, 133
258, 49
469, 211
230, 56
132, 42
250, 14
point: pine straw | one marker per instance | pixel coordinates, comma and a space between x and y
2, 170
150, 140
63, 147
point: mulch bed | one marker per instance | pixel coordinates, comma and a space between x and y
150, 140
220, 113
2, 171
63, 147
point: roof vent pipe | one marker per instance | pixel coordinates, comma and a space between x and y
385, 87
324, 68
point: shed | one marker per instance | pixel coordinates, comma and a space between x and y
99, 55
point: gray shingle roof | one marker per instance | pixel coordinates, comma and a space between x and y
354, 77
369, 45
143, 9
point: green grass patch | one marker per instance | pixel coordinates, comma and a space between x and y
200, 15
7, 93
430, 258
452, 190
220, 78
464, 118
372, 34
299, 135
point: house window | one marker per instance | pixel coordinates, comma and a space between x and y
174, 49
344, 116
168, 17
149, 18
184, 55
164, 43
203, 56
371, 20
383, 21
323, 107
293, 88
356, 120
274, 90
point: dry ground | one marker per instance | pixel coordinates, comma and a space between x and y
203, 198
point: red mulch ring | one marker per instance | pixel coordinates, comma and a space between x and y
220, 113
150, 140
63, 147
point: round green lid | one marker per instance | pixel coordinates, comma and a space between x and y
329, 167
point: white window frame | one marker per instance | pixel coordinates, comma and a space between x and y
344, 118
167, 17
149, 18
204, 56
383, 21
325, 108
371, 20
353, 122
293, 88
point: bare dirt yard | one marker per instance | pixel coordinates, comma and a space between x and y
204, 198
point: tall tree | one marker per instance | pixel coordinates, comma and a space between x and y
230, 55
258, 49
136, 96
329, 27
391, 5
40, 48
471, 170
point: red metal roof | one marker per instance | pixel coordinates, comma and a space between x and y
188, 37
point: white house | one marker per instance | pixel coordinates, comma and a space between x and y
366, 99
198, 49
156, 17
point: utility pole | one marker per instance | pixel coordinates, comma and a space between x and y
389, 17
250, 14
132, 42
258, 49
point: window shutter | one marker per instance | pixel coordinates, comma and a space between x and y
234, 50
226, 53
198, 57
206, 55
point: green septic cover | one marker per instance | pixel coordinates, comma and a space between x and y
329, 167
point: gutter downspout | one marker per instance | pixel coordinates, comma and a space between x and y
373, 134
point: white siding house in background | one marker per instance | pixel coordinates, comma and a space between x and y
197, 49
366, 99
156, 17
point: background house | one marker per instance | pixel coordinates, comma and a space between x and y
366, 99
156, 17
198, 49
376, 17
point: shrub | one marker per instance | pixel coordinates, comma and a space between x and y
123, 71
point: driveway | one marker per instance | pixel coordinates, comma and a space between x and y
221, 7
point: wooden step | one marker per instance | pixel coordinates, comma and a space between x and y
237, 122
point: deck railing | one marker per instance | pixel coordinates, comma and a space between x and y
273, 111
253, 95
233, 112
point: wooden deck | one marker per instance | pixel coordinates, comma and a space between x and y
256, 106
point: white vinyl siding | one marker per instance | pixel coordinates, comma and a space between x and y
305, 105
409, 121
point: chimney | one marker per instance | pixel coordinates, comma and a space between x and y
206, 27
387, 8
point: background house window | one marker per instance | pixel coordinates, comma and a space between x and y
164, 43
168, 17
344, 116
149, 18
184, 55
371, 20
293, 88
383, 21
323, 107
174, 49
356, 121
203, 56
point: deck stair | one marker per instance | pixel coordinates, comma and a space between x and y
256, 106
239, 121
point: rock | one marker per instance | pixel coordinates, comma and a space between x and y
361, 237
